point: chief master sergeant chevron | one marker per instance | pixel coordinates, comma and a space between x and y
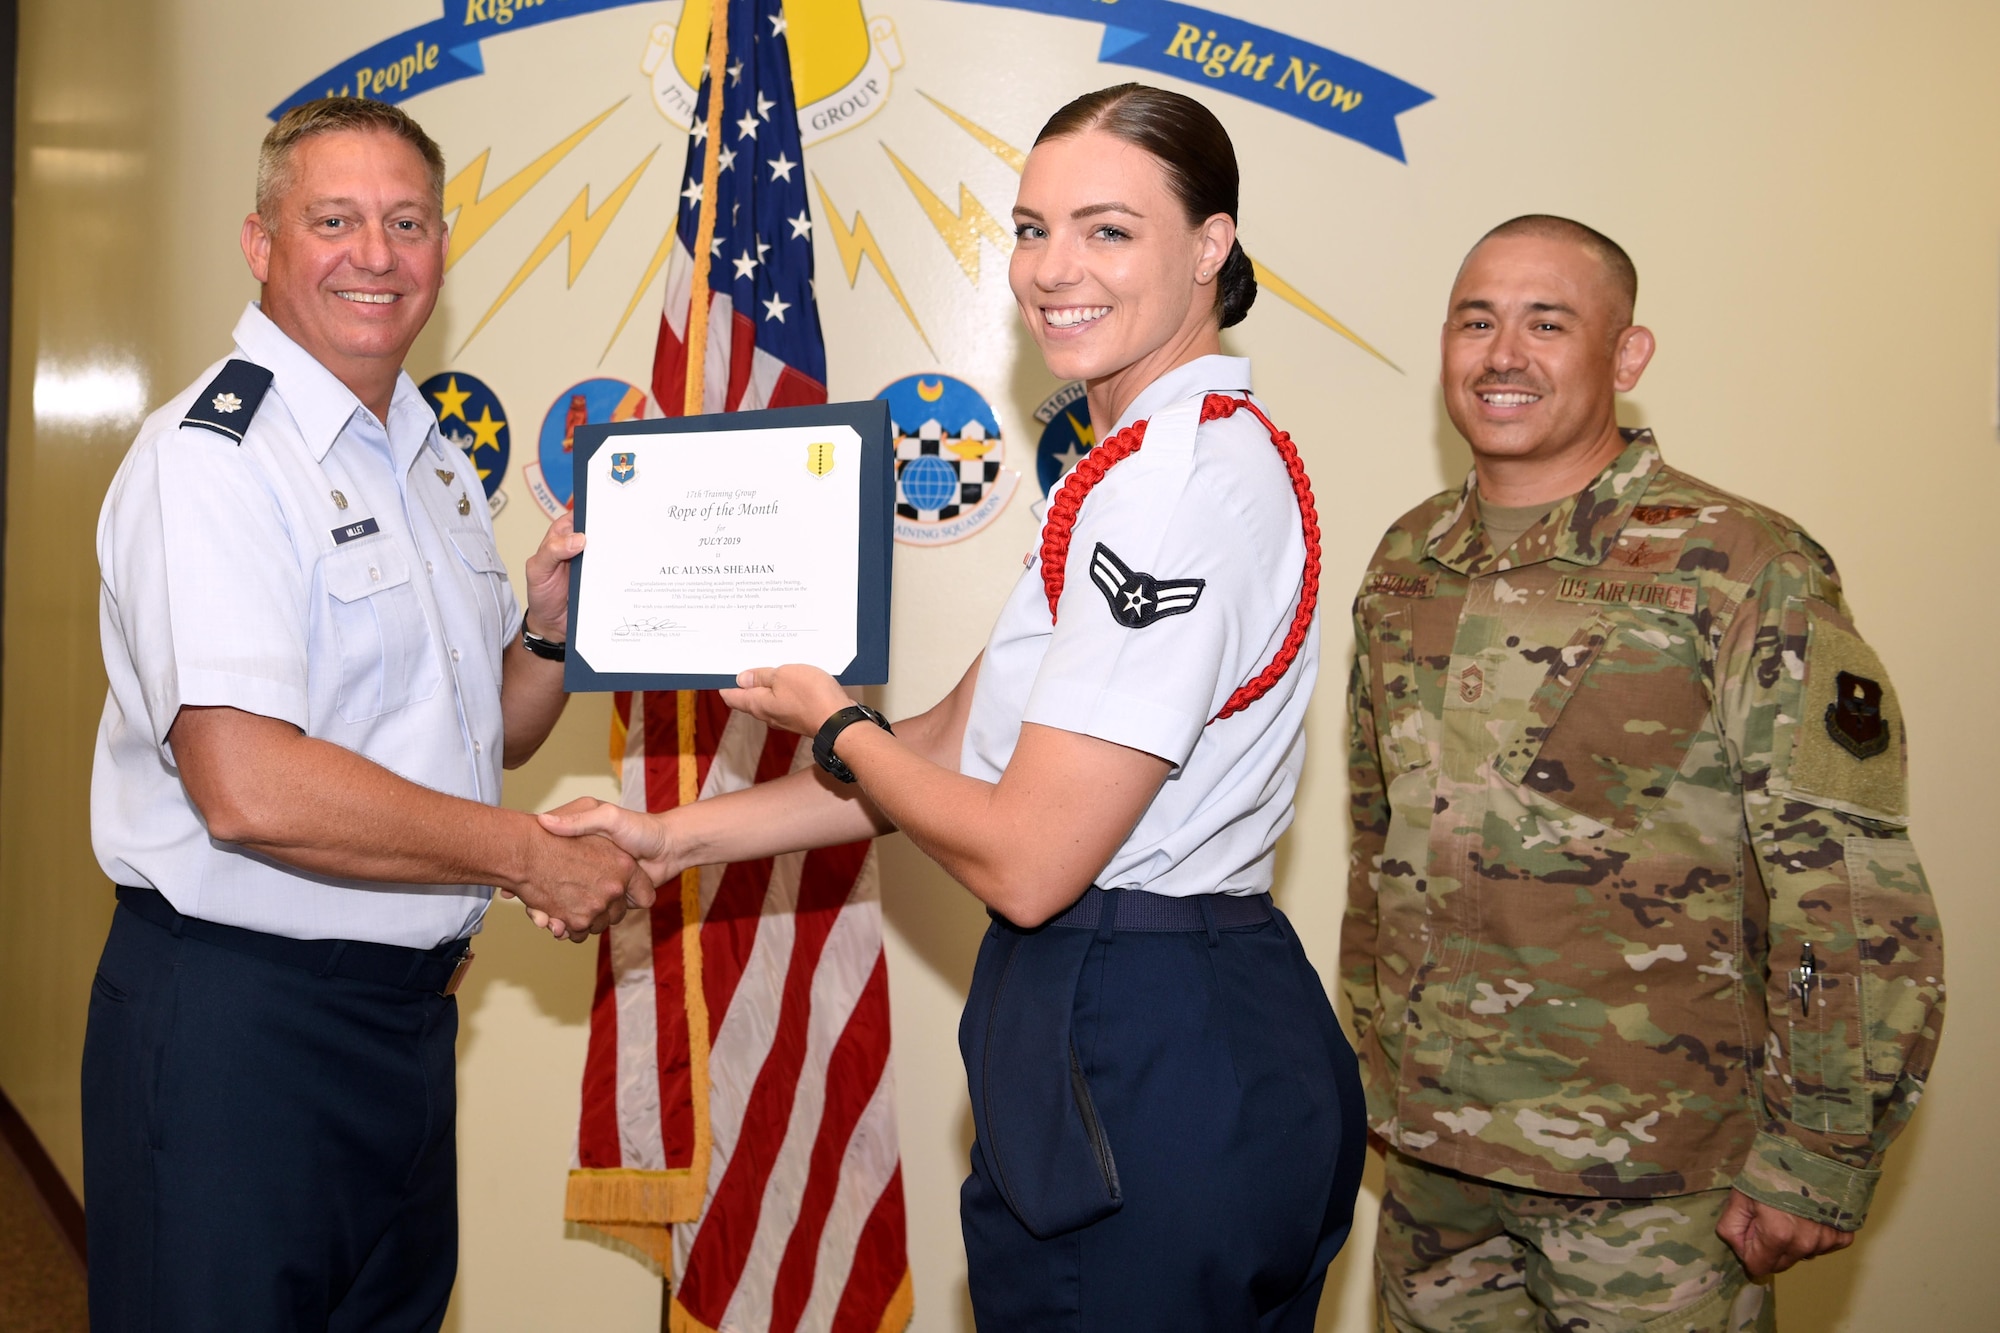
1644, 969
317, 669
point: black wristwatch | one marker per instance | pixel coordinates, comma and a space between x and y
833, 726
546, 649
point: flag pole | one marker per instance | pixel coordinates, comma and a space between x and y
693, 401
711, 158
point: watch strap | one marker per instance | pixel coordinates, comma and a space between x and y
830, 731
546, 649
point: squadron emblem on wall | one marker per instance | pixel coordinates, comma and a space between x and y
552, 478
470, 416
950, 481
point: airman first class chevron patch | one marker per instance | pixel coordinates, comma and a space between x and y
1138, 599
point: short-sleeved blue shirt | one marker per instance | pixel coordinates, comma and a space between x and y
1139, 656
231, 577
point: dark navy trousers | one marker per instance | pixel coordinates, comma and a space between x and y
1169, 1127
265, 1147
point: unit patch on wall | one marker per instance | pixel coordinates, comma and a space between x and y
1067, 434
950, 481
552, 480
470, 416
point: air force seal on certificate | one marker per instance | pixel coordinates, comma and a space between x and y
624, 467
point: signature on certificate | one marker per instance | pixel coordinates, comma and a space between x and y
647, 627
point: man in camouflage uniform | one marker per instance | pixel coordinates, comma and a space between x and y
1645, 972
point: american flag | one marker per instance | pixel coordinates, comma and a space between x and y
738, 1124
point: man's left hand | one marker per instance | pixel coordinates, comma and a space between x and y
1769, 1240
548, 578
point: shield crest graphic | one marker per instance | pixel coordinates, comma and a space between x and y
623, 468
1854, 718
819, 459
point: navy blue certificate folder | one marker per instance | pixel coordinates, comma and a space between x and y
869, 420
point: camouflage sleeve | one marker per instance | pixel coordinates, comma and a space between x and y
1368, 813
1852, 956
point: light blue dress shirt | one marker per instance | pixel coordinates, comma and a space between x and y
227, 581
1212, 503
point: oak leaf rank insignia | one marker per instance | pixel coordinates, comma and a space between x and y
226, 403
1138, 599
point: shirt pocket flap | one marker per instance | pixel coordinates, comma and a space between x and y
478, 551
363, 571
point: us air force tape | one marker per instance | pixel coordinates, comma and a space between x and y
230, 399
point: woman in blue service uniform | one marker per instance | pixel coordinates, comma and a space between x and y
1168, 1119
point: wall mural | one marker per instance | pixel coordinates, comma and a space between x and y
959, 460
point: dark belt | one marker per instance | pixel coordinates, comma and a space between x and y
1136, 909
438, 970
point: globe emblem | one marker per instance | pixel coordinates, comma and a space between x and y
949, 478
928, 482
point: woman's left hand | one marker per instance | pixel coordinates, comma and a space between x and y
796, 698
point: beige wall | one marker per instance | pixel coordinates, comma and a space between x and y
1813, 197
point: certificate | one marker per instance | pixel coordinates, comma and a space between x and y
724, 542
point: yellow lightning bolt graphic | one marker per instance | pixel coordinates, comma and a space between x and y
1284, 291
1016, 159
581, 227
1084, 431
666, 248
962, 231
992, 142
857, 241
477, 213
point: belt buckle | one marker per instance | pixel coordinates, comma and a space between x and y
458, 974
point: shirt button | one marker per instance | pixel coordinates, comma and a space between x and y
374, 574
429, 568
454, 654
478, 747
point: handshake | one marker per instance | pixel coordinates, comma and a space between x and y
588, 864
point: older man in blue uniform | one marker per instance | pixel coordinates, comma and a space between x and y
317, 671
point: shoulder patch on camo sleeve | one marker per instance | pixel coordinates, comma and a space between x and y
1138, 599
1854, 718
1848, 745
230, 400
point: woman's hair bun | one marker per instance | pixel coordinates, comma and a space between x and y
1235, 287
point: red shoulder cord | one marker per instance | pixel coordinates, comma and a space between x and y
1100, 460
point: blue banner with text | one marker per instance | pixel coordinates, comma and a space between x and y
1321, 87
442, 51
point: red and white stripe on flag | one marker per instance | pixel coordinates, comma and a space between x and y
802, 1223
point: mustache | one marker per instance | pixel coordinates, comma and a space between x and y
1509, 379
